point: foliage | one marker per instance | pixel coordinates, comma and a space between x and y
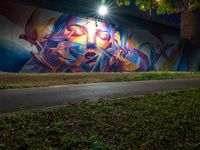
164, 6
167, 120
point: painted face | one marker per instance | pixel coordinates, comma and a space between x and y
86, 39
93, 34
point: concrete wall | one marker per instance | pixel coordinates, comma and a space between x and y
40, 40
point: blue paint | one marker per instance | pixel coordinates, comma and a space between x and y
12, 56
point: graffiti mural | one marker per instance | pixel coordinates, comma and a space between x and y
75, 44
46, 41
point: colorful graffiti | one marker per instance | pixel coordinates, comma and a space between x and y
66, 43
75, 44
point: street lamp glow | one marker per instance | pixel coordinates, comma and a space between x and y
103, 10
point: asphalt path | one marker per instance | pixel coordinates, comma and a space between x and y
12, 100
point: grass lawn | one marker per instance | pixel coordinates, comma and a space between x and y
168, 120
9, 80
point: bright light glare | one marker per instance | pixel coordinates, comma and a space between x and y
103, 10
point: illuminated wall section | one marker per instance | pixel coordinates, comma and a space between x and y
39, 40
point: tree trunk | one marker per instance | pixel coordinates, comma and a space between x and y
190, 34
190, 26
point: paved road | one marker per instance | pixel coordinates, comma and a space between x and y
36, 98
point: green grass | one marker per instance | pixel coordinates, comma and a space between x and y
168, 120
8, 81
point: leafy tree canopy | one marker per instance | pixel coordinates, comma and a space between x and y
163, 6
